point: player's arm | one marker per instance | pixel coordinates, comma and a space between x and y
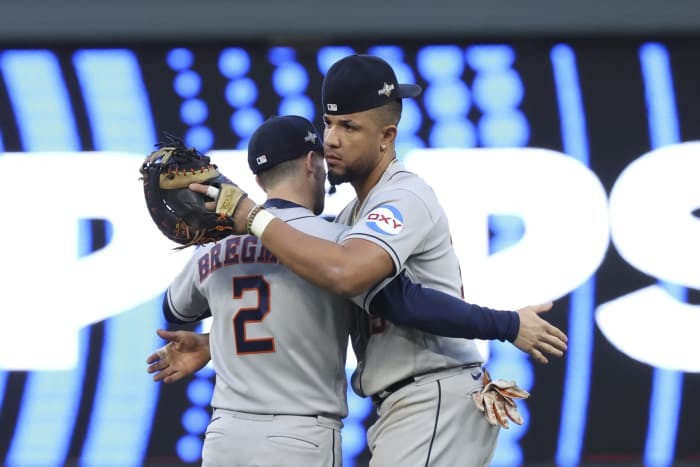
185, 353
176, 317
405, 303
183, 302
347, 269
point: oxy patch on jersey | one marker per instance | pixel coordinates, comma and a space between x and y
385, 219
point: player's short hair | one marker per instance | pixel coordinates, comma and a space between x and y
271, 177
389, 113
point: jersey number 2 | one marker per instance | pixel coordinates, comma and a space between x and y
254, 314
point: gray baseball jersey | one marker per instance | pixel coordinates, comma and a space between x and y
278, 342
422, 382
402, 215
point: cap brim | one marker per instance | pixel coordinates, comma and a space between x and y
409, 90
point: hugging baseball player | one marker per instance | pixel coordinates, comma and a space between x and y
422, 382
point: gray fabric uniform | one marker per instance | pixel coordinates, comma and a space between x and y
431, 420
278, 345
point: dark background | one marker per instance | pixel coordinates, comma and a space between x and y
606, 39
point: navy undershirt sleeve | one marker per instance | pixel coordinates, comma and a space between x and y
406, 303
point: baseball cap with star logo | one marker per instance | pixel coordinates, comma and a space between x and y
281, 139
361, 82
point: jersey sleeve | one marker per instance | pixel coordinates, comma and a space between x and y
406, 303
183, 301
398, 221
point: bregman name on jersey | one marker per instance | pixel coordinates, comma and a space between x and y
233, 250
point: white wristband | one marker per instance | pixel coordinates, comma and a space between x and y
260, 222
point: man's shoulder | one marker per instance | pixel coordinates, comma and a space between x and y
408, 183
319, 227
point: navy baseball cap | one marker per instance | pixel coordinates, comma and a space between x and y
362, 82
281, 139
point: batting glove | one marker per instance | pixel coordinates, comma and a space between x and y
497, 401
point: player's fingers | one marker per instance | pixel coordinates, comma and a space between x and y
160, 375
551, 341
538, 356
558, 333
173, 377
163, 352
204, 189
199, 188
160, 354
555, 340
166, 374
158, 366
153, 368
154, 357
167, 335
550, 349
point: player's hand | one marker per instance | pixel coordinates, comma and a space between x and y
240, 215
536, 336
185, 353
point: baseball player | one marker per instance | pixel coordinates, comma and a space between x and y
421, 382
278, 342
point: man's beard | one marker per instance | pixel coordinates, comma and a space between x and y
337, 179
350, 174
358, 170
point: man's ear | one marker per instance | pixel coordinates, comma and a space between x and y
257, 180
388, 135
309, 161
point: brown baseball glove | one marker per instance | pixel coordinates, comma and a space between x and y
179, 212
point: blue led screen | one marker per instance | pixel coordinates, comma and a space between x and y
603, 103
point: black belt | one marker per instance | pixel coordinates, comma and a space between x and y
379, 397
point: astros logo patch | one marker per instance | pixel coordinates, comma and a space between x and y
385, 219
